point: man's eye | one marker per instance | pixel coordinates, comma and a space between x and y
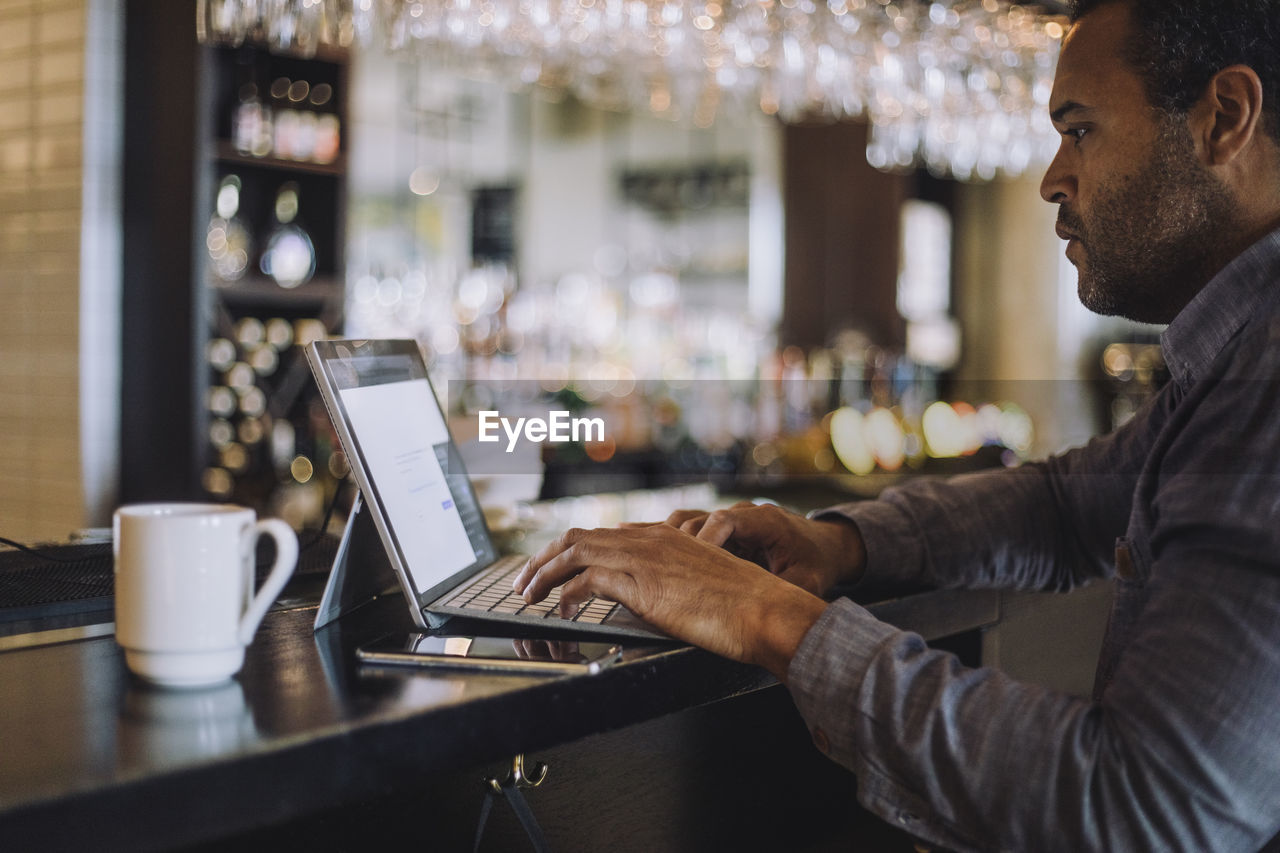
1076, 133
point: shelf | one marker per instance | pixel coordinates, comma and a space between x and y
251, 478
257, 291
225, 152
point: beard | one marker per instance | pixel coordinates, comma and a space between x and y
1151, 240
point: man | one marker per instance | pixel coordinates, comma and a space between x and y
1167, 183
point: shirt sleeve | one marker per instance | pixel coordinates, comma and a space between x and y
1048, 525
1182, 752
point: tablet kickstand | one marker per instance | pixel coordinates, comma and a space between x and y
361, 571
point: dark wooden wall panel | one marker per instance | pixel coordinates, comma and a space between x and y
842, 224
160, 382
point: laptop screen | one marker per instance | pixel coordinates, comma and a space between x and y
406, 462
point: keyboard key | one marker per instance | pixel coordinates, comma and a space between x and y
491, 591
508, 607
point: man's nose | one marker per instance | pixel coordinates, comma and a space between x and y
1059, 183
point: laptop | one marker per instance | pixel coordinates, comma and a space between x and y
415, 492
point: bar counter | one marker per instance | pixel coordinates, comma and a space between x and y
673, 747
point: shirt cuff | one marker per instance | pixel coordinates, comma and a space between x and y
827, 671
894, 550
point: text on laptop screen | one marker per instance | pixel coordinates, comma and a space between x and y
406, 444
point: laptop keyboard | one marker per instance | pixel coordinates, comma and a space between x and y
491, 592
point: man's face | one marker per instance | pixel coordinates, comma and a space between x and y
1138, 208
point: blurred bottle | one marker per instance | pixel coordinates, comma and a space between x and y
228, 239
285, 119
328, 129
251, 120
290, 256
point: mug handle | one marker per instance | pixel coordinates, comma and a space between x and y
286, 560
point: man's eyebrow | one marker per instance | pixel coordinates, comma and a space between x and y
1060, 113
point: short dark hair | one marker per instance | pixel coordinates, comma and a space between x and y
1181, 44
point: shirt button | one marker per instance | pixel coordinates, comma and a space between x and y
821, 742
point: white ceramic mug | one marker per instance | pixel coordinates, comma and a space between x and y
184, 576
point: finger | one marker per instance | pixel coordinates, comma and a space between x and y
720, 525
578, 590
522, 577
563, 650
563, 541
635, 525
575, 592
585, 548
569, 610
527, 648
681, 516
749, 523
612, 583
694, 525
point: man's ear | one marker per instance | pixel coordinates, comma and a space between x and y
1227, 114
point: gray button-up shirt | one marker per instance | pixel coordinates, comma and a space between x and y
1179, 749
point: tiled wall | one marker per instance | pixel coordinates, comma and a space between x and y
42, 80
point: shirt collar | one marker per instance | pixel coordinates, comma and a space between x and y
1200, 331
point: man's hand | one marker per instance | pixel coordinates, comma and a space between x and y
813, 555
689, 588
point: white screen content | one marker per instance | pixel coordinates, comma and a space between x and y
397, 426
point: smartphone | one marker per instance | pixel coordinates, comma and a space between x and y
491, 654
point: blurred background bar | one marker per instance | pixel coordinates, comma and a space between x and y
791, 251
